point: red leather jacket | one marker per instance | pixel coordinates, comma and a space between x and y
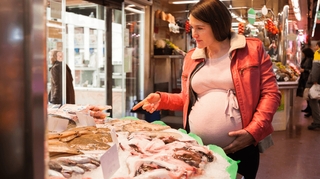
254, 81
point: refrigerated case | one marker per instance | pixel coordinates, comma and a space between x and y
108, 67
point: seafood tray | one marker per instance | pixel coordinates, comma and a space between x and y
144, 150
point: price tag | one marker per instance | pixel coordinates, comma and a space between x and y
85, 119
110, 162
57, 124
114, 136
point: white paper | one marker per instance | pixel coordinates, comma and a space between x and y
114, 137
110, 162
57, 124
85, 119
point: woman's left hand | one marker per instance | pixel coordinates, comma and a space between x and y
242, 140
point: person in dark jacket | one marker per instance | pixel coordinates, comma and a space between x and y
314, 78
305, 68
55, 94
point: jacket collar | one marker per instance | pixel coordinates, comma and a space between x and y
236, 42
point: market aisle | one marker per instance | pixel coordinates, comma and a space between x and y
296, 153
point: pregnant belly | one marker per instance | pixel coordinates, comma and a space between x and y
210, 118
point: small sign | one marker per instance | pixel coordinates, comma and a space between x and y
110, 162
54, 29
251, 16
85, 119
56, 9
114, 136
318, 15
57, 123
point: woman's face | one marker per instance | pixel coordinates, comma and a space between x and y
59, 56
201, 32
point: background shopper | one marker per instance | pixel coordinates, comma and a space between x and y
55, 94
272, 49
305, 68
229, 90
314, 78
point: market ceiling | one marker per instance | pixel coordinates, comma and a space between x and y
239, 7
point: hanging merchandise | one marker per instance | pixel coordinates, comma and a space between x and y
251, 16
271, 28
264, 10
174, 28
187, 26
241, 28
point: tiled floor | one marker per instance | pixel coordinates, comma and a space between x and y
296, 150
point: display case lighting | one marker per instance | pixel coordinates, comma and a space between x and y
315, 19
296, 9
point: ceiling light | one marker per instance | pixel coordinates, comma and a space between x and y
315, 20
134, 10
187, 2
183, 2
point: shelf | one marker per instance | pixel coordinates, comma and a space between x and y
168, 56
77, 88
117, 77
288, 84
85, 68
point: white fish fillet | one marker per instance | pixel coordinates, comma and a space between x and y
54, 173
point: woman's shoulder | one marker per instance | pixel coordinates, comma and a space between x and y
56, 66
190, 52
251, 41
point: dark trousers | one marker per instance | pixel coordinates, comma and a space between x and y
249, 158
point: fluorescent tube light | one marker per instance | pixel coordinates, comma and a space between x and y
187, 2
134, 10
183, 2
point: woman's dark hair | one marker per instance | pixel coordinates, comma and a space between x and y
215, 13
308, 52
318, 43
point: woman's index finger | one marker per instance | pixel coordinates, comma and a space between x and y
137, 106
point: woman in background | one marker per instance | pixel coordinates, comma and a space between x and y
55, 94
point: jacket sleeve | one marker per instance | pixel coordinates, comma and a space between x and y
56, 83
308, 64
314, 76
175, 101
171, 101
269, 100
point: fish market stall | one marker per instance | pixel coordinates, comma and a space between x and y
129, 148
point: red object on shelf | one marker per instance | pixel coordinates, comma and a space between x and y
240, 28
187, 26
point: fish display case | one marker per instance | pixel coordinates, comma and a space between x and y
128, 148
